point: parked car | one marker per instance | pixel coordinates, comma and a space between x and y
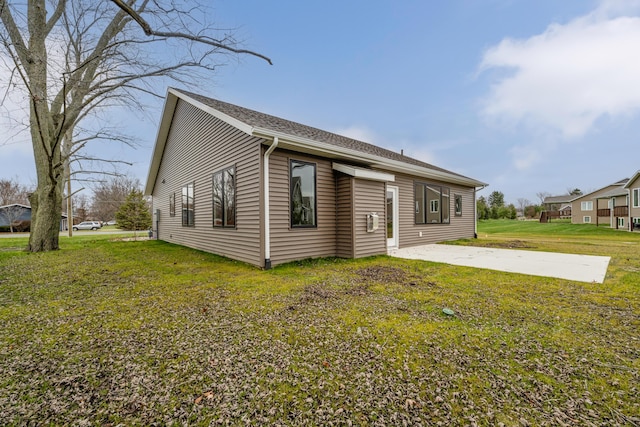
87, 225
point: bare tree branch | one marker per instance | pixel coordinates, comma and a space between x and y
200, 39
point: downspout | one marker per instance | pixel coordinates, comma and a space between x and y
475, 210
266, 207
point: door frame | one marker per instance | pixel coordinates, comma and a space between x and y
393, 242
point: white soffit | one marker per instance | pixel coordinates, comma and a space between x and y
364, 173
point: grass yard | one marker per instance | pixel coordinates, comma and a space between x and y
108, 332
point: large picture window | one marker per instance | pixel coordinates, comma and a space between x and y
224, 198
188, 219
302, 184
432, 204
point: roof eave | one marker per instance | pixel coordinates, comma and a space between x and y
310, 146
171, 100
633, 179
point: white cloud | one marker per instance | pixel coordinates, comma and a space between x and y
411, 149
360, 133
571, 75
525, 157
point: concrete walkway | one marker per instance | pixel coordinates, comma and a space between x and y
580, 268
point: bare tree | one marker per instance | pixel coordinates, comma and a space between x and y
81, 208
523, 203
11, 191
109, 195
81, 56
542, 195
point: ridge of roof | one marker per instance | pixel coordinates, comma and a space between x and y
261, 120
632, 179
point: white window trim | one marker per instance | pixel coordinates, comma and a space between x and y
635, 197
586, 219
586, 206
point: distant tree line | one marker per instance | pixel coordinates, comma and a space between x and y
495, 208
119, 197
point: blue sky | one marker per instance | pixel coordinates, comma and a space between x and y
528, 96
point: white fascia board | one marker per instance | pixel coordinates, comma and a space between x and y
161, 140
310, 146
633, 178
361, 173
216, 113
171, 101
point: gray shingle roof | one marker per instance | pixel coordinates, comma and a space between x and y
560, 199
277, 124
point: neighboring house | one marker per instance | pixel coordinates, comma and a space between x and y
600, 206
266, 191
633, 187
554, 203
20, 216
556, 207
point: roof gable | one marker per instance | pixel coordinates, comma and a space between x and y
606, 189
296, 137
633, 180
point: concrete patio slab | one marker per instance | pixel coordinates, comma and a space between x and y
581, 268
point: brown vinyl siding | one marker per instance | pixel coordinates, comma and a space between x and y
198, 145
344, 216
370, 196
288, 244
460, 227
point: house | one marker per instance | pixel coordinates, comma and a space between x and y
606, 205
633, 187
556, 207
19, 217
265, 190
555, 203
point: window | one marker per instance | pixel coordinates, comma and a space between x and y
437, 198
172, 204
620, 222
636, 197
586, 206
224, 198
434, 203
302, 184
188, 219
586, 219
458, 204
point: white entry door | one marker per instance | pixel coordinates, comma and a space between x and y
392, 217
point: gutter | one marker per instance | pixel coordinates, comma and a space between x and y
475, 209
332, 151
266, 207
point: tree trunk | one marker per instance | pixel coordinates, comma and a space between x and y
46, 212
46, 201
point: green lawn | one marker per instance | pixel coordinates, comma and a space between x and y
108, 332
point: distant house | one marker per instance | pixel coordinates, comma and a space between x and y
633, 187
19, 217
606, 205
265, 190
554, 203
557, 206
